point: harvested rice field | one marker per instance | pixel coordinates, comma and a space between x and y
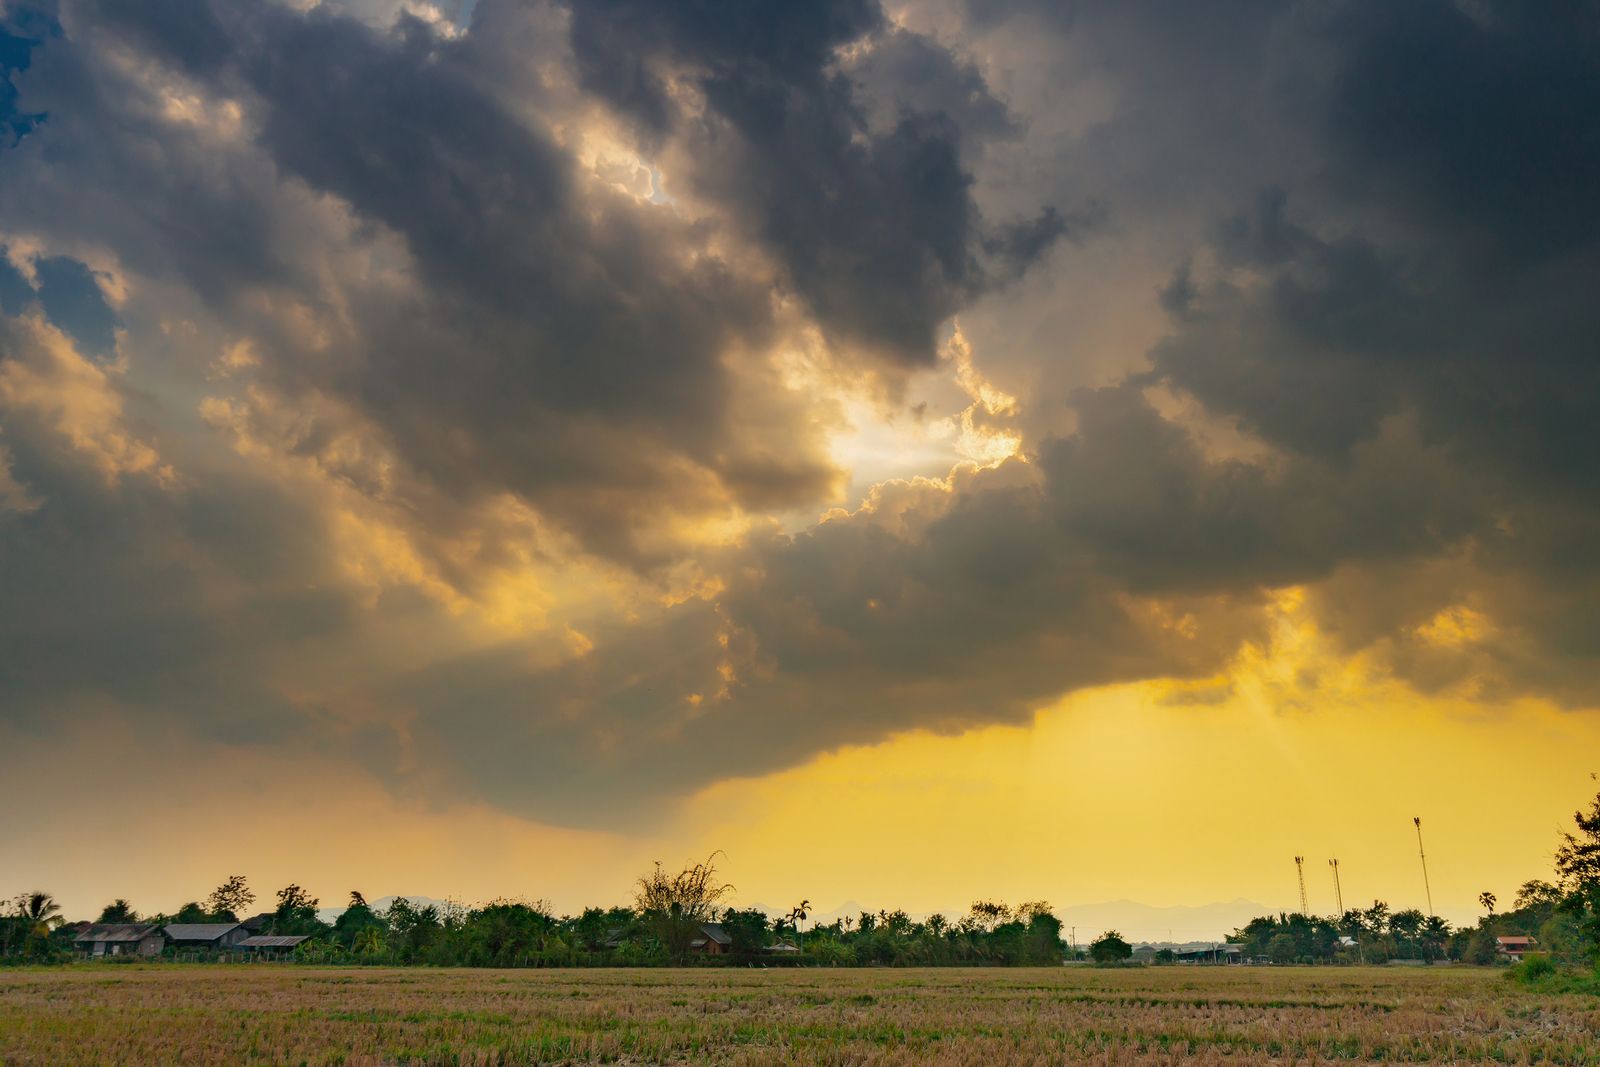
263, 1014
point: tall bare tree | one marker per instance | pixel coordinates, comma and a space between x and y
675, 905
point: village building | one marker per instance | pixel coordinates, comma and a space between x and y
119, 939
713, 940
1514, 948
206, 937
1217, 953
272, 946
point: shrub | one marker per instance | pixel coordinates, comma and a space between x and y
1533, 969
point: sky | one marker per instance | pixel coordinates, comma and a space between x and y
919, 452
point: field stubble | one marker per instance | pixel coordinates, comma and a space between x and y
362, 1017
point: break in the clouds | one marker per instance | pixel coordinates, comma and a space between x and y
473, 400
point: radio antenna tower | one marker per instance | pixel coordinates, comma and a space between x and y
1338, 894
1300, 871
1416, 820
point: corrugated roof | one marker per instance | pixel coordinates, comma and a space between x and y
716, 933
117, 932
198, 931
274, 940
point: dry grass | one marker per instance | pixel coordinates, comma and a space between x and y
108, 1014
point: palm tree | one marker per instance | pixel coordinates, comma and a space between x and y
796, 917
41, 910
36, 913
369, 942
1487, 899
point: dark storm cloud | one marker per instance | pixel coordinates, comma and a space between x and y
1383, 253
552, 310
985, 608
562, 348
586, 357
1478, 117
124, 590
1123, 553
875, 226
1440, 273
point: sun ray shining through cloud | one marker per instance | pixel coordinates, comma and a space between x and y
605, 430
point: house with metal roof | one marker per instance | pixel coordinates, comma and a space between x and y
259, 923
119, 939
713, 940
211, 937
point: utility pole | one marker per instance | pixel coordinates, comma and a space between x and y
1300, 872
1338, 894
1423, 856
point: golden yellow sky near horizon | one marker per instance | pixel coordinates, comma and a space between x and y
1120, 793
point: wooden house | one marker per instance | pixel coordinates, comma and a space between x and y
119, 939
206, 937
713, 940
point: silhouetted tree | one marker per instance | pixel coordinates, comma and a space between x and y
675, 905
355, 922
1109, 947
296, 912
747, 928
229, 900
1578, 875
118, 911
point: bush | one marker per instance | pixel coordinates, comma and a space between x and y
1110, 948
1532, 970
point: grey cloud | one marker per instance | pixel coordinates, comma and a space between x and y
838, 635
563, 347
1378, 237
875, 225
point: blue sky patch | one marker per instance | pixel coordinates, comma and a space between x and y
22, 29
73, 301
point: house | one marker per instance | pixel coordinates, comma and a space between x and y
1514, 948
1214, 953
713, 940
269, 946
208, 937
119, 939
260, 923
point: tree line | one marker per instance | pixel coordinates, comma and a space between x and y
1563, 916
666, 924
